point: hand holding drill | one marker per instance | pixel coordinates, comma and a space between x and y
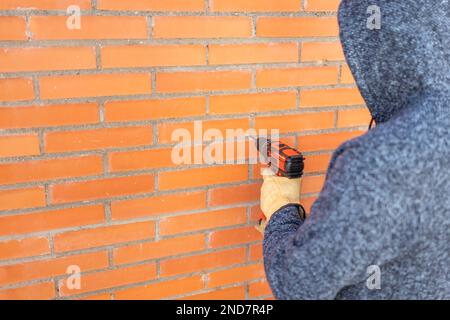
281, 185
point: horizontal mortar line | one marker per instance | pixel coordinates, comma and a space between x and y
50, 256
51, 207
41, 258
152, 123
158, 95
137, 13
178, 277
124, 221
173, 69
60, 277
81, 204
211, 13
205, 290
161, 41
309, 195
84, 127
297, 133
170, 69
106, 99
80, 153
126, 172
118, 198
155, 219
37, 12
65, 254
203, 251
118, 222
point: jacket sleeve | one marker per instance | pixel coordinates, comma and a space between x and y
350, 228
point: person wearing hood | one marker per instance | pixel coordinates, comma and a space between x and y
380, 228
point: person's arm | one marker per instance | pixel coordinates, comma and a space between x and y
354, 223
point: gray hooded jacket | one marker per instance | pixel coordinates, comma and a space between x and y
386, 200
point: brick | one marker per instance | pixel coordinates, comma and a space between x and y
51, 220
320, 5
105, 296
329, 141
139, 160
166, 129
199, 81
16, 146
322, 51
28, 247
235, 194
43, 269
172, 27
312, 184
101, 138
101, 188
297, 27
109, 279
236, 275
157, 205
295, 77
317, 162
258, 289
202, 221
163, 289
152, 5
330, 97
16, 89
233, 293
296, 123
41, 170
12, 28
94, 85
92, 27
234, 236
103, 236
39, 291
153, 56
346, 75
154, 109
43, 4
256, 252
48, 116
256, 214
255, 5
51, 58
253, 102
159, 249
22, 198
192, 178
353, 118
307, 203
222, 54
202, 262
235, 150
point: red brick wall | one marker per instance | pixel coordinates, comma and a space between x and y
86, 117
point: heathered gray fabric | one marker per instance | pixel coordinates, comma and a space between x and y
386, 199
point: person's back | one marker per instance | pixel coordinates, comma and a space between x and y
386, 199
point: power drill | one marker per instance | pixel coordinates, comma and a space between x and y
284, 160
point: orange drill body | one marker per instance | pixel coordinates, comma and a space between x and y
283, 159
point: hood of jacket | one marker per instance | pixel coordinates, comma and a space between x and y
406, 57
